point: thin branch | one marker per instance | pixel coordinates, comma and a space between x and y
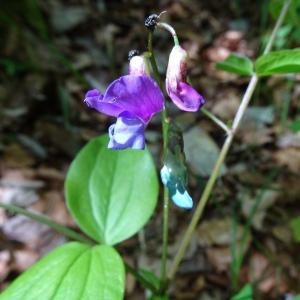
216, 171
169, 28
165, 126
216, 120
47, 221
73, 235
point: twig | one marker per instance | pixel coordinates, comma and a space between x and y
215, 173
165, 125
216, 120
47, 221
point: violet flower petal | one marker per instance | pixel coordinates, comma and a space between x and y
139, 95
186, 97
94, 99
127, 132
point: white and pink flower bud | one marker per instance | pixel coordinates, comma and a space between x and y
177, 67
137, 66
181, 93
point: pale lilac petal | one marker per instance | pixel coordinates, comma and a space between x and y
186, 97
182, 200
177, 190
165, 175
127, 132
137, 66
140, 95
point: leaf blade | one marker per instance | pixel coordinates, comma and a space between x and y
278, 62
73, 271
104, 190
246, 293
237, 64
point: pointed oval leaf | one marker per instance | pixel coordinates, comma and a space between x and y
111, 193
295, 125
237, 64
246, 293
72, 272
295, 226
278, 62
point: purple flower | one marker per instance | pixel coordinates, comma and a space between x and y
133, 99
182, 94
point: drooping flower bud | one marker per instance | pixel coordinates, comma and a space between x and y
137, 64
174, 172
177, 190
182, 94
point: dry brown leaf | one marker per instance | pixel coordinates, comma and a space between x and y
15, 156
220, 258
288, 157
24, 230
217, 232
24, 258
266, 201
289, 139
4, 264
55, 208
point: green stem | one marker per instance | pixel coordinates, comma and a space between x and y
140, 278
169, 28
73, 235
47, 221
163, 269
216, 170
165, 125
216, 120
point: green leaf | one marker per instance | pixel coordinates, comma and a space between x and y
278, 62
295, 226
154, 297
295, 125
111, 193
297, 297
246, 293
237, 64
72, 272
149, 277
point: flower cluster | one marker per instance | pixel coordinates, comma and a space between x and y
135, 98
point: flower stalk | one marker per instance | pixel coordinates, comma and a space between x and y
216, 120
171, 30
165, 125
216, 170
73, 235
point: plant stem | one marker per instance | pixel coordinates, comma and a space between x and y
169, 28
216, 120
136, 274
165, 126
164, 254
73, 235
47, 221
216, 170
279, 21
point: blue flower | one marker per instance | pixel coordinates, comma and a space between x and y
177, 190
